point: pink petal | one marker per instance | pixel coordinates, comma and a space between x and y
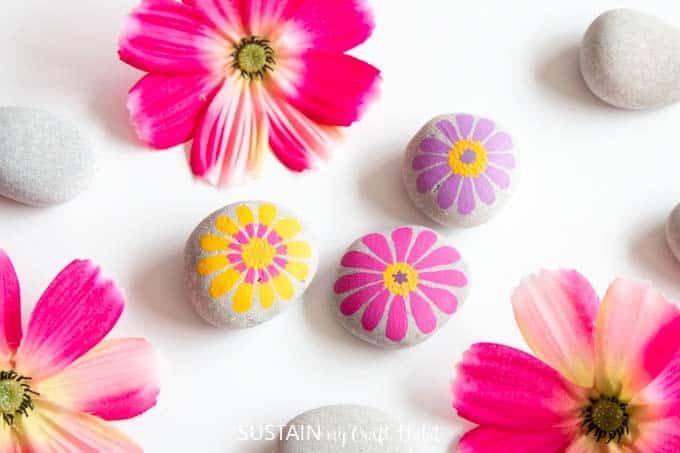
168, 37
116, 380
232, 138
424, 242
498, 176
637, 336
465, 122
224, 15
424, 161
484, 190
444, 299
332, 89
75, 312
9, 441
487, 439
556, 313
361, 260
352, 303
447, 277
52, 428
483, 129
501, 141
507, 388
353, 281
377, 243
401, 238
505, 160
466, 199
397, 320
448, 191
447, 128
661, 398
10, 309
433, 145
375, 311
658, 436
439, 257
165, 110
422, 313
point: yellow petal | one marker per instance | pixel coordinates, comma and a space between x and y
226, 225
266, 295
299, 270
210, 264
287, 228
284, 287
243, 299
298, 249
223, 283
245, 215
267, 214
213, 243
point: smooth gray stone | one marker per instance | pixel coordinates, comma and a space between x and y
44, 159
673, 231
632, 60
345, 429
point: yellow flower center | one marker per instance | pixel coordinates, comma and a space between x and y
253, 57
467, 158
258, 254
400, 279
15, 396
606, 419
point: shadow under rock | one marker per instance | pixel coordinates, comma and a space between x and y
650, 250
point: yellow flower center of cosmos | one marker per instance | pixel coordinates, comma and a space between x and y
253, 57
400, 279
606, 419
15, 396
467, 158
258, 254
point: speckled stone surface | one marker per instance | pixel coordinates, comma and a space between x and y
44, 159
673, 231
398, 288
247, 262
632, 60
461, 170
345, 429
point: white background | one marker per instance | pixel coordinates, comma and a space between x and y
597, 184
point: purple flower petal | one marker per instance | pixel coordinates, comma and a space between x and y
466, 199
448, 191
484, 189
423, 161
433, 145
503, 159
448, 130
465, 124
428, 179
424, 242
500, 141
483, 129
375, 311
498, 176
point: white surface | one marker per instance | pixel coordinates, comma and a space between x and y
597, 185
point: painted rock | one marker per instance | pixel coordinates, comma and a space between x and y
344, 429
44, 159
247, 262
460, 169
632, 60
396, 289
673, 231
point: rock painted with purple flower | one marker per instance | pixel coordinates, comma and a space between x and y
460, 169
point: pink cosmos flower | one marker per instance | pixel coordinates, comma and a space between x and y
241, 76
409, 268
60, 381
607, 377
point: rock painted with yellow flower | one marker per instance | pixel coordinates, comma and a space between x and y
247, 262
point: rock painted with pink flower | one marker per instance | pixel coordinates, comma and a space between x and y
460, 169
398, 288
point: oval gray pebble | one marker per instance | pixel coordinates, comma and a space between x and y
632, 60
344, 429
44, 159
247, 262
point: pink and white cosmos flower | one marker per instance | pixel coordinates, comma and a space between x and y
242, 76
607, 376
60, 381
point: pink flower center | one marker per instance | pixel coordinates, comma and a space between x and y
253, 57
606, 419
16, 396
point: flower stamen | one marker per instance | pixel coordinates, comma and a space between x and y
606, 419
253, 57
16, 396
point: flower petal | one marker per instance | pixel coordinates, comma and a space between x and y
357, 280
487, 439
378, 244
284, 287
168, 37
444, 299
266, 294
401, 238
446, 277
424, 161
225, 16
75, 312
165, 110
361, 260
659, 436
429, 178
232, 137
448, 191
9, 443
465, 123
500, 141
52, 428
498, 176
447, 128
352, 303
422, 313
116, 380
661, 398
466, 199
439, 257
211, 264
424, 242
505, 160
243, 298
484, 190
397, 320
501, 386
10, 309
375, 311
332, 89
556, 313
637, 336
483, 129
433, 145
